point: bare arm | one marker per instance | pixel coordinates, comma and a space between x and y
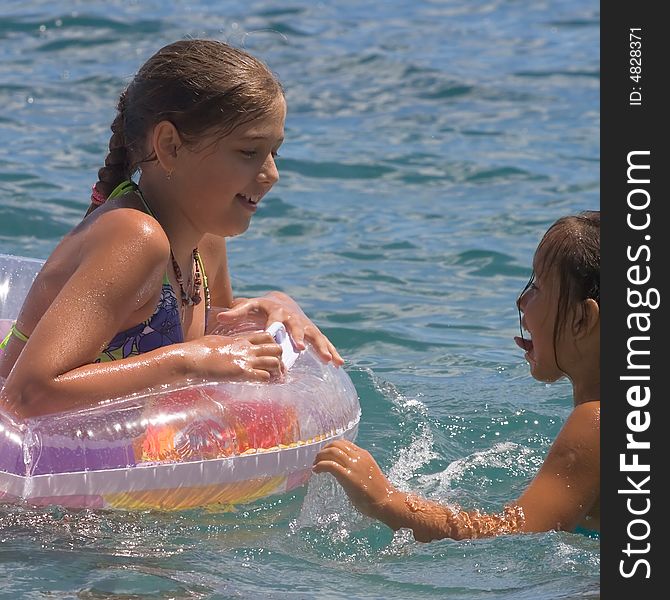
562, 492
373, 495
109, 286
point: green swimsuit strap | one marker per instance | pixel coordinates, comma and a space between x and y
201, 264
16, 333
123, 188
13, 331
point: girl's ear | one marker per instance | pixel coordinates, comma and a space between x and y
586, 318
166, 141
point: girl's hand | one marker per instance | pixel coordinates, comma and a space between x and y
245, 357
360, 476
277, 306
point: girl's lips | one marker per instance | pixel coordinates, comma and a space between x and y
248, 204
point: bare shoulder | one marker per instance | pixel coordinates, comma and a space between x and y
106, 240
125, 225
122, 248
580, 435
586, 416
115, 259
122, 238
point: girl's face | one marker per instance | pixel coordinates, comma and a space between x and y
226, 178
538, 305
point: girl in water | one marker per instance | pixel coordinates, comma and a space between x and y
123, 302
560, 311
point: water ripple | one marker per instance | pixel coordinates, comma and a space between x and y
428, 146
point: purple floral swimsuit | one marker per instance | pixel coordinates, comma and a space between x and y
161, 329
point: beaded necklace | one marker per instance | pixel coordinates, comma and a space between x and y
186, 299
195, 299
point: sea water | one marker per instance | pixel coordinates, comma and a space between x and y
428, 146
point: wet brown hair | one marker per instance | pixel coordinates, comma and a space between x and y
571, 249
201, 86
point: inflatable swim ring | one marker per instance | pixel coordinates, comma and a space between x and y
200, 445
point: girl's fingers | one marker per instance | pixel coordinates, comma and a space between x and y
323, 345
296, 331
329, 466
261, 375
260, 338
271, 364
239, 308
332, 454
320, 345
231, 313
338, 451
294, 328
344, 445
337, 359
272, 350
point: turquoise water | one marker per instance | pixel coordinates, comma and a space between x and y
429, 144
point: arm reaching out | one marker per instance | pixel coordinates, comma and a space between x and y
373, 495
564, 493
359, 474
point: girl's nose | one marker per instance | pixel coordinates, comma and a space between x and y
269, 174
